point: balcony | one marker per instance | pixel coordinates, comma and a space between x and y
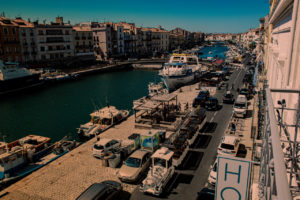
278, 178
76, 38
12, 42
89, 38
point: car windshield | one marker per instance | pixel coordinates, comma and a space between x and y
240, 105
98, 147
133, 162
159, 162
227, 146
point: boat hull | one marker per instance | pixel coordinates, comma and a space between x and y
173, 82
19, 84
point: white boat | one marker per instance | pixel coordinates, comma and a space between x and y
180, 70
210, 52
102, 120
176, 74
156, 89
161, 171
153, 90
14, 78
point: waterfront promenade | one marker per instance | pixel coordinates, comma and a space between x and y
71, 174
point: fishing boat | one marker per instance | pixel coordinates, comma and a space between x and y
180, 70
64, 145
14, 78
153, 90
16, 157
102, 120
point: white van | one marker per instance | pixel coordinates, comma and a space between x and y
240, 106
228, 145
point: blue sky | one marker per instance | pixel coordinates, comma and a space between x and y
209, 16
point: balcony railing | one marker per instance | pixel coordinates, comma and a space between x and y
279, 167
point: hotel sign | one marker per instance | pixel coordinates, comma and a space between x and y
233, 175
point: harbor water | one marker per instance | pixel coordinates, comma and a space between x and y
218, 50
58, 110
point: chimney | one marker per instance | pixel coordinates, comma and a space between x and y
60, 20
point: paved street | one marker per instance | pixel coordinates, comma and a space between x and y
192, 177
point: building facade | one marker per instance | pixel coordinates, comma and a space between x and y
27, 40
10, 47
279, 171
54, 41
83, 40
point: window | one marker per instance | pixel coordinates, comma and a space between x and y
5, 30
42, 48
16, 50
13, 30
68, 46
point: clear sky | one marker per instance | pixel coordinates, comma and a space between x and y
209, 16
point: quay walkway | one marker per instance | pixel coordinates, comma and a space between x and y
71, 174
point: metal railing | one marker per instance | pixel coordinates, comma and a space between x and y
279, 167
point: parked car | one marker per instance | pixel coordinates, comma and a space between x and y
240, 106
104, 145
242, 151
212, 104
228, 145
201, 98
212, 178
228, 97
104, 191
135, 165
245, 91
207, 194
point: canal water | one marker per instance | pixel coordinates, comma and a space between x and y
58, 110
218, 50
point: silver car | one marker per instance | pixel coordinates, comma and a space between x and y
135, 165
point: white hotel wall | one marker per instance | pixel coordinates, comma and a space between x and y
283, 53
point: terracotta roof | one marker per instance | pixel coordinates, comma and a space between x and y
7, 22
23, 23
82, 28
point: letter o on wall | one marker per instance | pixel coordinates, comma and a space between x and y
230, 188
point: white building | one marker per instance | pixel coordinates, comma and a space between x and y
54, 40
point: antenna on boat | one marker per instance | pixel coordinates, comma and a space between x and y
107, 104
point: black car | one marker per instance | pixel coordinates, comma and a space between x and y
104, 190
228, 97
212, 104
245, 91
204, 93
201, 98
206, 194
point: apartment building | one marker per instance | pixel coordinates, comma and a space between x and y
83, 40
27, 40
102, 35
54, 40
10, 47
